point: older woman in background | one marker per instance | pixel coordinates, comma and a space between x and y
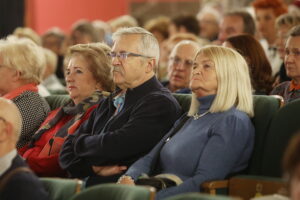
88, 80
21, 64
290, 90
259, 66
216, 138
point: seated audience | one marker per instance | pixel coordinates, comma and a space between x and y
17, 182
216, 138
258, 63
180, 66
131, 121
290, 90
266, 12
19, 80
284, 23
88, 77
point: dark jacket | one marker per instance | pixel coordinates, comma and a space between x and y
148, 113
23, 185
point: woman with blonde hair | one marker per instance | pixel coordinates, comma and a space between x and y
21, 66
216, 137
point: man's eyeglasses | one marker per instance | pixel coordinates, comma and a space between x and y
177, 61
125, 55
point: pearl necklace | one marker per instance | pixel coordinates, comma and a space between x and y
197, 116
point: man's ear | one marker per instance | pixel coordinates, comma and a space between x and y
6, 131
150, 65
16, 75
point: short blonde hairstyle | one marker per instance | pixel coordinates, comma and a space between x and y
23, 55
25, 32
234, 85
96, 55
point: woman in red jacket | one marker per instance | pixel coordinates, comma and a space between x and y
88, 80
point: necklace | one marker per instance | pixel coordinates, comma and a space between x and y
197, 116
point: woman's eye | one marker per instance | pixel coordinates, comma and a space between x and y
78, 71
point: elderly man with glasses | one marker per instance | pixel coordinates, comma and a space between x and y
16, 179
131, 121
180, 66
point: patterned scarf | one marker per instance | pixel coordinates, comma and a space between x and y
78, 111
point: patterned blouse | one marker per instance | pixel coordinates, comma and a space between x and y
34, 110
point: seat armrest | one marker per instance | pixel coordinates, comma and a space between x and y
212, 186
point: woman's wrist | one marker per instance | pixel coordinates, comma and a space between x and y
124, 177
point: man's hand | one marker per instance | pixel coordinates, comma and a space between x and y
108, 170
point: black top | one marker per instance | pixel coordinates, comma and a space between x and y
148, 113
23, 185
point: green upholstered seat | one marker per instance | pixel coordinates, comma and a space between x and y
284, 125
265, 107
198, 196
61, 189
184, 100
115, 192
56, 101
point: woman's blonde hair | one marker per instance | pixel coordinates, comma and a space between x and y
234, 85
23, 55
96, 54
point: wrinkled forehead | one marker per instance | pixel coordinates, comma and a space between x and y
293, 42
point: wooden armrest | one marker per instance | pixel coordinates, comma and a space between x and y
211, 186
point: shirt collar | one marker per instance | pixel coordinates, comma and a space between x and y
6, 161
205, 102
294, 86
28, 87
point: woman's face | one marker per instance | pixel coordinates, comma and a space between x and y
204, 78
265, 20
80, 81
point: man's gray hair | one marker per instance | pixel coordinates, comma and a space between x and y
149, 44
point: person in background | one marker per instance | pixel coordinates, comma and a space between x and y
259, 65
180, 66
83, 32
19, 80
49, 78
283, 25
128, 123
54, 40
216, 138
235, 23
266, 12
209, 19
16, 180
290, 90
25, 32
184, 24
88, 81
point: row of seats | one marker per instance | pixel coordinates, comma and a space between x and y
69, 189
274, 126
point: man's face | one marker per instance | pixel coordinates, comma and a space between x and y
132, 71
230, 26
292, 58
180, 66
